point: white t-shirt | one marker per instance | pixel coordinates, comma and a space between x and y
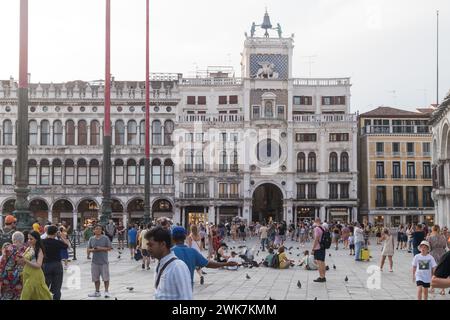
44, 236
235, 259
424, 265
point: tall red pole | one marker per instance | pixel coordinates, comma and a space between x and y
147, 120
106, 201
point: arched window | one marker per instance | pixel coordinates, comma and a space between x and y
32, 172
333, 162
44, 178
223, 161
69, 172
70, 133
132, 133
33, 132
82, 172
7, 172
156, 172
301, 162
118, 172
57, 172
168, 130
168, 172
142, 171
57, 133
119, 130
344, 162
7, 133
94, 172
142, 133
189, 161
45, 133
311, 162
95, 133
199, 161
82, 133
156, 133
131, 172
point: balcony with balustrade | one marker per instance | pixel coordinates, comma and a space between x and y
392, 129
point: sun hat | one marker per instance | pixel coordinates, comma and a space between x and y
424, 243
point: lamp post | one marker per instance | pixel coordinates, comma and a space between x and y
21, 205
106, 201
147, 121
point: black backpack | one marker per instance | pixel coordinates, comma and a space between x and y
325, 241
5, 237
275, 263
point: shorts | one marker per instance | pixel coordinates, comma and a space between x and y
98, 270
422, 284
132, 245
352, 247
145, 253
121, 237
319, 255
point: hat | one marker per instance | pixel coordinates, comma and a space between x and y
178, 231
10, 219
424, 242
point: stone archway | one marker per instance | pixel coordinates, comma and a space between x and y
267, 203
62, 209
8, 207
39, 210
88, 209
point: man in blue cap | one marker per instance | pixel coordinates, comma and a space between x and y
192, 257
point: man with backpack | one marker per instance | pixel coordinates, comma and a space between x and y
322, 241
7, 232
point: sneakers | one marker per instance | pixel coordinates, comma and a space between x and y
107, 295
96, 294
320, 280
148, 268
143, 266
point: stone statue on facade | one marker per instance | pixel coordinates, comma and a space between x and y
266, 71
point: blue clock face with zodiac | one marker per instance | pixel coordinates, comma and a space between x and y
269, 66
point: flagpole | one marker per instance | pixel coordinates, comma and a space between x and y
106, 201
147, 121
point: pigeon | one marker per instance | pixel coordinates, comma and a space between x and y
251, 266
315, 298
290, 252
247, 276
130, 288
298, 255
118, 257
257, 252
334, 267
327, 268
120, 252
298, 248
270, 298
329, 254
299, 284
290, 248
346, 279
116, 299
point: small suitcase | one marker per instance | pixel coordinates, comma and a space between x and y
365, 255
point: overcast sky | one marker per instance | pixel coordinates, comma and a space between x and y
387, 47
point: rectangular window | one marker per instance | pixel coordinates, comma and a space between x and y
156, 175
344, 191
297, 100
396, 148
426, 148
333, 190
201, 100
118, 175
131, 175
380, 147
411, 194
306, 137
93, 177
380, 170
312, 190
223, 100
233, 99
199, 190
398, 196
426, 170
381, 197
327, 101
45, 175
7, 175
223, 190
142, 174
410, 148
301, 191
255, 112
427, 200
336, 100
188, 190
410, 170
280, 110
69, 176
189, 137
234, 190
191, 100
336, 137
303, 100
82, 176
396, 170
199, 137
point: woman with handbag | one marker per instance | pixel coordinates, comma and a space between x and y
10, 269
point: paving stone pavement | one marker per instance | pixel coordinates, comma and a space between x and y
264, 283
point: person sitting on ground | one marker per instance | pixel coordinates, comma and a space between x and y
308, 261
268, 260
221, 255
285, 263
234, 258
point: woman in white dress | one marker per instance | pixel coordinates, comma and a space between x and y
388, 249
194, 241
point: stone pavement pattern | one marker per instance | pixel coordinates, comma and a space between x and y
264, 283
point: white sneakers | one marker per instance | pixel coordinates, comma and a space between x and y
97, 294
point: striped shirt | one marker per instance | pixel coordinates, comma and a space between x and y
175, 282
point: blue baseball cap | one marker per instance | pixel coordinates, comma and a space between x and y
178, 231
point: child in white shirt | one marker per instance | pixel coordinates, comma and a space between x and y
424, 266
234, 258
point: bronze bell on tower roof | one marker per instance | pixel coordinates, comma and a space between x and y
266, 24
